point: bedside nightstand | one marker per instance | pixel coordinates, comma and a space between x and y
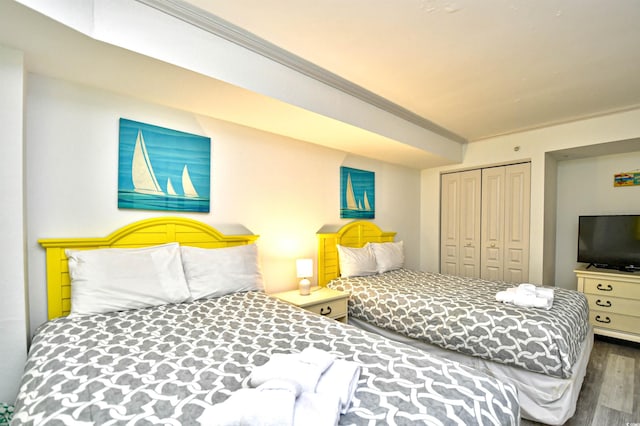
322, 301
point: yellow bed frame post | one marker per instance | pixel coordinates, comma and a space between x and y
144, 233
354, 234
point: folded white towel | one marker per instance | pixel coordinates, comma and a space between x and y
316, 409
340, 379
304, 368
527, 287
543, 302
287, 367
545, 292
321, 359
527, 295
505, 296
273, 403
526, 300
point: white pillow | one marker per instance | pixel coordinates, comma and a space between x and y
220, 271
355, 262
389, 256
117, 279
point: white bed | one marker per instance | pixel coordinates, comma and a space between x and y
543, 353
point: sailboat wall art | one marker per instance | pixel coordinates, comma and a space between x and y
357, 194
163, 169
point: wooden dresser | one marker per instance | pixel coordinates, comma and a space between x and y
614, 301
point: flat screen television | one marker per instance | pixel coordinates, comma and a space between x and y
610, 241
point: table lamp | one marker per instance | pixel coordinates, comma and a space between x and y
304, 268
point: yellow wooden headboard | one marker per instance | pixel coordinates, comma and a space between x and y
144, 233
354, 234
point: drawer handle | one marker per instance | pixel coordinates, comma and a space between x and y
607, 320
322, 312
602, 288
606, 304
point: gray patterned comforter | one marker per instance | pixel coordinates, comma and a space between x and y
461, 314
165, 365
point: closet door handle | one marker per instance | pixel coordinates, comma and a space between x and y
606, 304
603, 288
322, 312
607, 320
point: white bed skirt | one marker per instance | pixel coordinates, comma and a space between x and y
544, 399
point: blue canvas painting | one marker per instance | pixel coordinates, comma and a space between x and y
163, 169
357, 194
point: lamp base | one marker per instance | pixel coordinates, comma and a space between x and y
305, 287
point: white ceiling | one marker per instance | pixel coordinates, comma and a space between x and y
475, 68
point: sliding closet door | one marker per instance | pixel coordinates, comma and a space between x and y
449, 220
460, 224
493, 223
505, 223
517, 218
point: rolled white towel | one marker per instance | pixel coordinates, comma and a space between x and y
524, 299
545, 292
543, 302
525, 292
272, 403
539, 292
527, 287
507, 295
317, 357
304, 368
316, 409
340, 379
287, 367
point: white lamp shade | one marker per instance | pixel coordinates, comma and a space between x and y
304, 268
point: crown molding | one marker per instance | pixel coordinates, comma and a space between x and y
230, 32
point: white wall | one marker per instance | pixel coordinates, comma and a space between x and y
13, 316
534, 146
585, 187
282, 189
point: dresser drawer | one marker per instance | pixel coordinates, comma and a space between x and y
613, 321
331, 309
605, 303
612, 288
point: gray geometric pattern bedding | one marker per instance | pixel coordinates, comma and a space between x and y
164, 365
461, 314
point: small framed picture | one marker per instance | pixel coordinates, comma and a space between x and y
357, 193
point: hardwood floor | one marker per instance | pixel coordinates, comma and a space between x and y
610, 394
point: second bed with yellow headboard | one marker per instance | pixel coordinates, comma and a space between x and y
543, 351
187, 361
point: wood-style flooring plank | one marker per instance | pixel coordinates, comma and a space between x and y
616, 391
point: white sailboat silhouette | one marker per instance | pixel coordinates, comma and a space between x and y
144, 179
351, 197
366, 202
187, 185
170, 189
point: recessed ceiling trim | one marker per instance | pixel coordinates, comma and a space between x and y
230, 32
